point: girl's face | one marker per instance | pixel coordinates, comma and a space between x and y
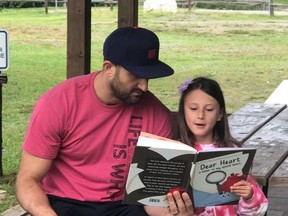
201, 113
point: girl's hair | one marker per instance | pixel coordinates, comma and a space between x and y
221, 133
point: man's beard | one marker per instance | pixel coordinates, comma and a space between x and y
125, 95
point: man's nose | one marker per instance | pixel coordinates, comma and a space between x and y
143, 84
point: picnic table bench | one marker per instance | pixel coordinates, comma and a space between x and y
15, 211
279, 177
258, 125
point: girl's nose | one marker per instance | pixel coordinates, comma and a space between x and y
201, 114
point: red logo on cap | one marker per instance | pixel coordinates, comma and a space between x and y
151, 54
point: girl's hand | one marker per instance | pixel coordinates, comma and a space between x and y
243, 189
180, 204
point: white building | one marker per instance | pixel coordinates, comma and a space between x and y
160, 5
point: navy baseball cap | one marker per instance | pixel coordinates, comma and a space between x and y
137, 50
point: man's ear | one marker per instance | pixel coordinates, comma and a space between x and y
107, 65
108, 68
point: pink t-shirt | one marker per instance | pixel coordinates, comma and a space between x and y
91, 143
257, 205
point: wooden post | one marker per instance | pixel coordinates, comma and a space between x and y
78, 37
271, 8
111, 5
56, 5
127, 13
46, 6
189, 4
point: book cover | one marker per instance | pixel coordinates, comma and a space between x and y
160, 165
216, 171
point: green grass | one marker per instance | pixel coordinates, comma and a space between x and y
245, 53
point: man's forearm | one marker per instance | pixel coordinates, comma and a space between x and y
32, 198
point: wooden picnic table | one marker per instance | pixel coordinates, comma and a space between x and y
250, 118
264, 127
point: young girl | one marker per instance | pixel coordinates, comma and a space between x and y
203, 124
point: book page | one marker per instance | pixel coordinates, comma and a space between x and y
158, 165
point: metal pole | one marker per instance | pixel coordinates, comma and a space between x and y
1, 140
3, 79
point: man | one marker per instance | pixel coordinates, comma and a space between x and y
82, 133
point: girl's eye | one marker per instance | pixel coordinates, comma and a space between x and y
193, 108
209, 110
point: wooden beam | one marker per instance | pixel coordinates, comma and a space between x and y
78, 37
127, 13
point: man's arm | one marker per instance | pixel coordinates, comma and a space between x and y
29, 193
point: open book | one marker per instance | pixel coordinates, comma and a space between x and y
160, 165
